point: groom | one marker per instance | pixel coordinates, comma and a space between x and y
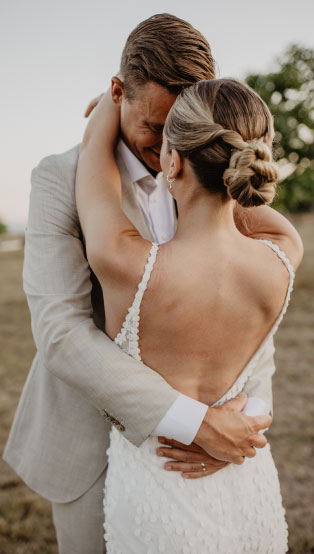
80, 382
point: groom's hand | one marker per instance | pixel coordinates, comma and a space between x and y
191, 460
229, 435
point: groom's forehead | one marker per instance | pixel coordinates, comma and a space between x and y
154, 103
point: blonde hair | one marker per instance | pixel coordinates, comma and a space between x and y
226, 131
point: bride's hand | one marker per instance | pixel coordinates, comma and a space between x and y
103, 126
93, 103
191, 460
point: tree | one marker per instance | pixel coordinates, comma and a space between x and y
3, 228
289, 93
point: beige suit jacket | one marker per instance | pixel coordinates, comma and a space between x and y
59, 438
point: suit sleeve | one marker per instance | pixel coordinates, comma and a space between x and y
57, 284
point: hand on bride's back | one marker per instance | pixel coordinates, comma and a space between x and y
225, 438
232, 438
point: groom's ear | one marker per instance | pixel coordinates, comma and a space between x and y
117, 90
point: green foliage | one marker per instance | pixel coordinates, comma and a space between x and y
3, 228
289, 93
296, 193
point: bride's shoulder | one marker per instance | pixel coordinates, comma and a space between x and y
288, 248
269, 261
267, 271
287, 244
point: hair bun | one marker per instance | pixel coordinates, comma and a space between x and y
251, 176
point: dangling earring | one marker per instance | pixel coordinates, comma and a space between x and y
170, 181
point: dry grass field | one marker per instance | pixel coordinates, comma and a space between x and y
25, 518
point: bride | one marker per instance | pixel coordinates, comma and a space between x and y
207, 304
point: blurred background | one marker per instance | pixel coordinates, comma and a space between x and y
55, 57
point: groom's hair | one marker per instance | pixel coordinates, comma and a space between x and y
167, 50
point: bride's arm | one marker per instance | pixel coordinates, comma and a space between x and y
264, 222
112, 241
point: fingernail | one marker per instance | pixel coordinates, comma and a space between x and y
168, 468
161, 439
160, 453
185, 476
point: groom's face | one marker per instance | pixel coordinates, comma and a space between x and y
143, 118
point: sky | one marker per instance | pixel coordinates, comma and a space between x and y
57, 55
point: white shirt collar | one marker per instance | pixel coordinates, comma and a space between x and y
134, 167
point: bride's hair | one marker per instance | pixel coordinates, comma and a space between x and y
226, 131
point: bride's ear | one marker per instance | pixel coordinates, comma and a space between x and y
175, 164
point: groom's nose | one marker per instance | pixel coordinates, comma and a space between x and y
156, 150
157, 146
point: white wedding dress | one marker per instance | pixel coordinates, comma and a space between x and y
149, 510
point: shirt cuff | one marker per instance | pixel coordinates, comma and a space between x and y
183, 420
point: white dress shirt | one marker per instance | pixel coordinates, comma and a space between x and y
183, 419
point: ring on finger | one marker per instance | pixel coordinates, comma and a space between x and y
203, 466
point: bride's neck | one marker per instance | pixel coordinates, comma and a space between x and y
202, 213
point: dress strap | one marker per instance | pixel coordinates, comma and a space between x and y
128, 337
247, 372
280, 255
146, 276
285, 260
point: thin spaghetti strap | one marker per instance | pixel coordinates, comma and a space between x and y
247, 372
146, 276
285, 260
280, 255
128, 338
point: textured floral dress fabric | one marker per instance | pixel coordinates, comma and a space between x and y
149, 510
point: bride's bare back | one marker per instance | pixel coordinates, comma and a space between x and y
206, 310
214, 293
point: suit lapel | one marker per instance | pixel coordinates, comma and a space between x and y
130, 204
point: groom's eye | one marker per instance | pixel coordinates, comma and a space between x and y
158, 129
155, 127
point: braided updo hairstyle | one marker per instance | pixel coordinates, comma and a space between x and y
226, 131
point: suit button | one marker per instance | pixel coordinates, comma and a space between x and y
112, 420
120, 427
106, 415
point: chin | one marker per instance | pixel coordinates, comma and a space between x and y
152, 162
156, 167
